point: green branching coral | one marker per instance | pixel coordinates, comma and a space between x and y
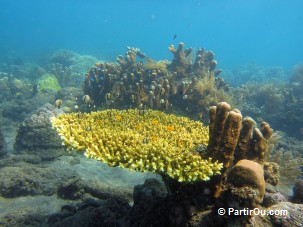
140, 140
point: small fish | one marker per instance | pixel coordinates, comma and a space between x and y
175, 36
86, 99
58, 103
108, 96
76, 107
200, 115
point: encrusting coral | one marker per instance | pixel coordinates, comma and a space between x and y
140, 140
248, 173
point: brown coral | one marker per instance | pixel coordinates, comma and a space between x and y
248, 173
228, 141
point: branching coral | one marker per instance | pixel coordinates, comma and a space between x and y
139, 80
140, 140
63, 74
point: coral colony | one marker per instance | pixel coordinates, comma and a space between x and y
190, 157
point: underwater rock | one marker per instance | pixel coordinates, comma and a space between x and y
271, 199
29, 180
111, 212
71, 189
19, 160
36, 136
293, 216
298, 192
30, 215
273, 196
75, 188
2, 145
147, 197
151, 189
17, 110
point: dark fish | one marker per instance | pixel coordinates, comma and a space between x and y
175, 36
35, 89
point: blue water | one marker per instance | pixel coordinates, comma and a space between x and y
239, 32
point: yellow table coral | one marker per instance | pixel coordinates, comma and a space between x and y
140, 140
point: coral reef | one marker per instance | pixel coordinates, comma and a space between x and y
189, 86
24, 71
233, 165
178, 162
69, 67
245, 74
296, 80
12, 87
63, 74
70, 97
288, 156
289, 165
275, 101
141, 140
63, 57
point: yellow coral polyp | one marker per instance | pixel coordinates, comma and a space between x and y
155, 142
